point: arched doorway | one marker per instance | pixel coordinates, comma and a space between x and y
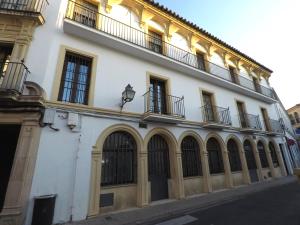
158, 167
262, 155
215, 158
252, 167
234, 156
191, 162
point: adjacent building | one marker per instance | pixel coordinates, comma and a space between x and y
113, 104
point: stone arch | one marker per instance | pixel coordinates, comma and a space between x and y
194, 135
219, 139
95, 187
176, 178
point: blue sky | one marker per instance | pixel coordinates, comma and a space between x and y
266, 30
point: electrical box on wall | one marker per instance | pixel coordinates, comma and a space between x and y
49, 116
73, 120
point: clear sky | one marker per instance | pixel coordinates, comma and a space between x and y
266, 30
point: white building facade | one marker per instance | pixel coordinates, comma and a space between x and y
203, 117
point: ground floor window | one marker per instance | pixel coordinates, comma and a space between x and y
119, 159
233, 155
191, 163
273, 155
214, 156
262, 155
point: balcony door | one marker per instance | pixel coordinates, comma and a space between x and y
200, 61
85, 13
208, 106
256, 84
158, 96
155, 42
242, 114
233, 75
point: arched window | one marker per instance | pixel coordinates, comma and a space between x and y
119, 159
249, 155
191, 164
234, 157
262, 155
273, 155
214, 156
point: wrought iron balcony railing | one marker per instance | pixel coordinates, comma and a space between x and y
108, 25
164, 105
24, 6
12, 76
276, 126
250, 121
215, 114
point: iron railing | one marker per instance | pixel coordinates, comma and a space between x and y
215, 114
276, 126
12, 76
165, 105
250, 121
29, 6
108, 25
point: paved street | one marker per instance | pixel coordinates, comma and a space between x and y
276, 206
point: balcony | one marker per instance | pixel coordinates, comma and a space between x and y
93, 26
215, 117
28, 8
275, 127
167, 108
12, 77
250, 123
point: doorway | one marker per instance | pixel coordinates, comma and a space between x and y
8, 144
158, 167
250, 161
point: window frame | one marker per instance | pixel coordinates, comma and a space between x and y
74, 90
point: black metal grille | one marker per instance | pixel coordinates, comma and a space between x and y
158, 157
75, 81
13, 75
215, 114
191, 162
262, 155
273, 155
251, 163
214, 156
163, 104
250, 121
154, 43
119, 159
234, 157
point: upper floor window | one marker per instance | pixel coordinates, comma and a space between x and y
75, 80
296, 115
158, 101
233, 75
5, 52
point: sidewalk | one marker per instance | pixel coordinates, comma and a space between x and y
170, 208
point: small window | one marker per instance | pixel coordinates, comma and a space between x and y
75, 79
191, 163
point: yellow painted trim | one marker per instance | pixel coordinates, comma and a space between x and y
59, 70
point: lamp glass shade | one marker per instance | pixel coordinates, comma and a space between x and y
128, 94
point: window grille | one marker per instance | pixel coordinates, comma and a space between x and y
214, 156
233, 155
262, 155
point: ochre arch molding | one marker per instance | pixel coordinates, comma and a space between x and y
169, 137
95, 187
194, 135
219, 139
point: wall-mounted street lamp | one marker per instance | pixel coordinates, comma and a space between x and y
127, 95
